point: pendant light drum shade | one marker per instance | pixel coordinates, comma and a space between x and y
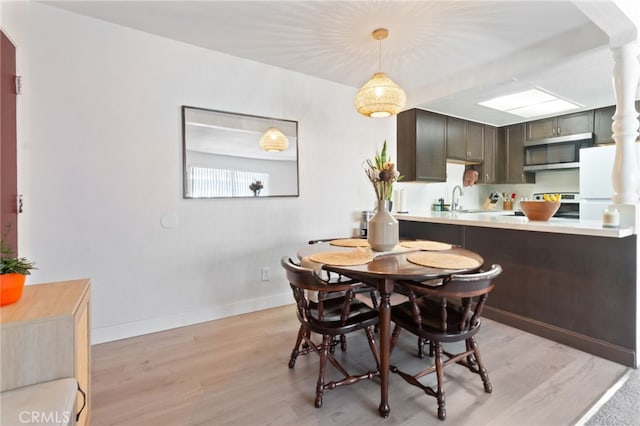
274, 140
380, 97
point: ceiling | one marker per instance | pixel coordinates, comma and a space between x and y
447, 55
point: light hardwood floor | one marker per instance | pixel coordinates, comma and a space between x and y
234, 371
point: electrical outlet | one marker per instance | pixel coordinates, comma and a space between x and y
265, 274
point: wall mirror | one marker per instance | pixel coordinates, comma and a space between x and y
238, 155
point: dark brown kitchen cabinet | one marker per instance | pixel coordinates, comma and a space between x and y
513, 155
422, 145
475, 141
465, 140
564, 125
602, 122
489, 170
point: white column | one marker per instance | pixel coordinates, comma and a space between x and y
626, 72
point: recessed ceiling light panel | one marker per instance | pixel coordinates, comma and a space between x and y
529, 103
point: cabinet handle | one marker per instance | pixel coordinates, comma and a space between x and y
553, 131
558, 131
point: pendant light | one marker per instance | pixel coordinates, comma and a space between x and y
274, 140
380, 96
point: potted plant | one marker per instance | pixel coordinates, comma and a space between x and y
13, 272
383, 231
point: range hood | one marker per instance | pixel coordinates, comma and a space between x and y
555, 153
555, 166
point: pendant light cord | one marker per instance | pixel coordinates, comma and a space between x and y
380, 55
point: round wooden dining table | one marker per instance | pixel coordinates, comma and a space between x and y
386, 271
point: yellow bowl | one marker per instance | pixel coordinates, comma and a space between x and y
539, 210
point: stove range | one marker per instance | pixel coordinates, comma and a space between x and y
569, 204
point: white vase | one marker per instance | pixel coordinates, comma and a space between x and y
383, 232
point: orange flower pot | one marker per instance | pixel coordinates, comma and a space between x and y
11, 286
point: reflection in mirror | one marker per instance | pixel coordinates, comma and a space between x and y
232, 155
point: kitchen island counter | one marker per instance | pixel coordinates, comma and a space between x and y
570, 281
507, 220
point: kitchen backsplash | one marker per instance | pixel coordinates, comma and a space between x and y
420, 196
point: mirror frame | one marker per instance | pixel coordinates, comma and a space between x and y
254, 120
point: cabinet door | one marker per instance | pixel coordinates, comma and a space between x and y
572, 124
514, 155
422, 148
8, 138
475, 141
431, 147
541, 129
488, 174
456, 138
602, 122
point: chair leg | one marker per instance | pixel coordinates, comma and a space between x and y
442, 411
295, 351
471, 360
421, 343
483, 371
372, 345
305, 345
324, 354
343, 342
394, 337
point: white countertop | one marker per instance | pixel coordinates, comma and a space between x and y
506, 220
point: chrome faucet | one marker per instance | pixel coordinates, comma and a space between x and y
455, 204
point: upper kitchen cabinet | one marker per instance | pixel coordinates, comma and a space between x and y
564, 125
465, 140
513, 155
602, 122
422, 145
489, 170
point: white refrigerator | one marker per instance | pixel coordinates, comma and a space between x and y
596, 188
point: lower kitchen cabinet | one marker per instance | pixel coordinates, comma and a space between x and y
578, 290
46, 336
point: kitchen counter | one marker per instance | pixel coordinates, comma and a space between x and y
507, 220
566, 280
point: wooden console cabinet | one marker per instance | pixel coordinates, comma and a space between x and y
46, 336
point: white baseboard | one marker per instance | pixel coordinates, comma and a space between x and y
153, 325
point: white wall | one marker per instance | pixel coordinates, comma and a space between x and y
99, 148
420, 196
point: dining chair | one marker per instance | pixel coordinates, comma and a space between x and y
367, 294
443, 314
328, 317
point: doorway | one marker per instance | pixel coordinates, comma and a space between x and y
8, 151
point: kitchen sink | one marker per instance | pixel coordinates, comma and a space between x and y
472, 211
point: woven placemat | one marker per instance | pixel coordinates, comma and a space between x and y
350, 242
426, 245
342, 258
442, 260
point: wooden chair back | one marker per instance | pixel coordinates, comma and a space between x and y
303, 280
466, 292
